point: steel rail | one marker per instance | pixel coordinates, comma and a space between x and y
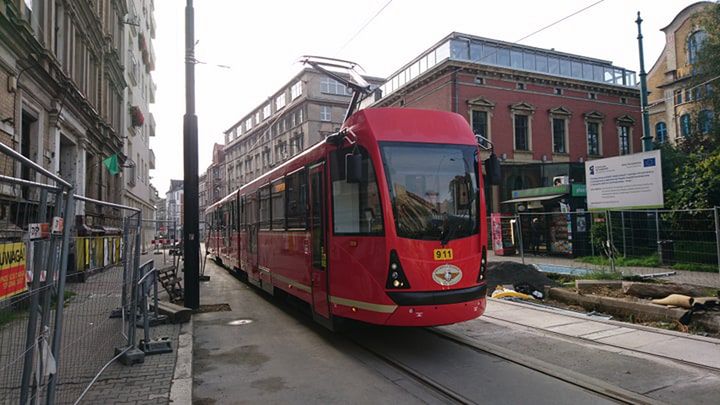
573, 378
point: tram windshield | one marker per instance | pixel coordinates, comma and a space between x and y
434, 189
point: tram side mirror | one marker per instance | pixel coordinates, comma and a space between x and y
492, 170
353, 168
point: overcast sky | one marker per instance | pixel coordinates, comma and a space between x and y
262, 40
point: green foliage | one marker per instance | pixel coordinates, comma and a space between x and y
707, 268
7, 315
603, 275
647, 261
598, 235
691, 169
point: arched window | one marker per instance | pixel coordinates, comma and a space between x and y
660, 132
685, 125
705, 121
694, 44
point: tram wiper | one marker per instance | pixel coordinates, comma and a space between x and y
447, 231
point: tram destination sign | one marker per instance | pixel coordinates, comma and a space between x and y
625, 182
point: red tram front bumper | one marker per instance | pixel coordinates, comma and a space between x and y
433, 315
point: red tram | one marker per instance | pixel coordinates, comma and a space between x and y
383, 223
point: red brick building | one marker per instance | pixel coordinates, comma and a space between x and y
545, 112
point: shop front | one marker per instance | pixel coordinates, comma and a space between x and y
552, 220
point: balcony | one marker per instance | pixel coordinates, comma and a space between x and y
152, 160
151, 124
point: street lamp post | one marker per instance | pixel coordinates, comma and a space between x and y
191, 239
646, 138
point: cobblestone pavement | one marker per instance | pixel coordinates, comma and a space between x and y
680, 276
89, 340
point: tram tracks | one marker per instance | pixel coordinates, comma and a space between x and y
579, 380
464, 388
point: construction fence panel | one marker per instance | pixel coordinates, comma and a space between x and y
35, 207
609, 240
98, 317
678, 239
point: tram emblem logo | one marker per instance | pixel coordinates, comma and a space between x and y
447, 275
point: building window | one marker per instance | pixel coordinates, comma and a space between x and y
559, 135
624, 140
558, 91
522, 141
522, 125
593, 138
257, 117
660, 132
685, 125
479, 80
280, 102
332, 86
266, 113
678, 97
694, 44
480, 123
705, 121
296, 90
480, 117
325, 113
623, 100
592, 96
521, 86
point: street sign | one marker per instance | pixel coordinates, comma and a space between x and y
39, 231
625, 182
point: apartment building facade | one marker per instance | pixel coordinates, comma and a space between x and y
304, 111
140, 123
675, 101
545, 112
61, 102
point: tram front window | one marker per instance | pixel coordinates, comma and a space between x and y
433, 188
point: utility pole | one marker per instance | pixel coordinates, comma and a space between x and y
646, 138
191, 238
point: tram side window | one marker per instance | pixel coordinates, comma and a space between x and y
264, 207
356, 206
243, 218
296, 199
278, 205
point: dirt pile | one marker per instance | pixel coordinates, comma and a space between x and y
511, 273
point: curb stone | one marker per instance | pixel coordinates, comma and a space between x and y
181, 387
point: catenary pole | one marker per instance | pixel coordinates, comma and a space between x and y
647, 143
191, 240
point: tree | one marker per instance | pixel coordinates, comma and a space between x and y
691, 169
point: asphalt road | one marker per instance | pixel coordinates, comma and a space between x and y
275, 354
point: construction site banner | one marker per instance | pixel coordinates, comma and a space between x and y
12, 269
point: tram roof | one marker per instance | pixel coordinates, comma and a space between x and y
390, 125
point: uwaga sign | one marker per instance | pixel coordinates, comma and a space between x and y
12, 269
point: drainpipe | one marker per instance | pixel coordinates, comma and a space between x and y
455, 96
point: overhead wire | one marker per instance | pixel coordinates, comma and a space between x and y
524, 38
366, 24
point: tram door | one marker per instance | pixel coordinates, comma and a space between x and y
319, 276
242, 253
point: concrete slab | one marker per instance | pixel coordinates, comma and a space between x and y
608, 333
533, 318
707, 354
582, 328
636, 339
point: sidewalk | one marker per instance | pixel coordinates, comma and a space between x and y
695, 350
145, 383
680, 276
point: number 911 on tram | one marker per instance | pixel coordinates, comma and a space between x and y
384, 222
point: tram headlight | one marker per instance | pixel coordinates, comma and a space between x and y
483, 265
396, 276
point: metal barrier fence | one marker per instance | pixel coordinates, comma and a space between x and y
673, 239
57, 338
33, 259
